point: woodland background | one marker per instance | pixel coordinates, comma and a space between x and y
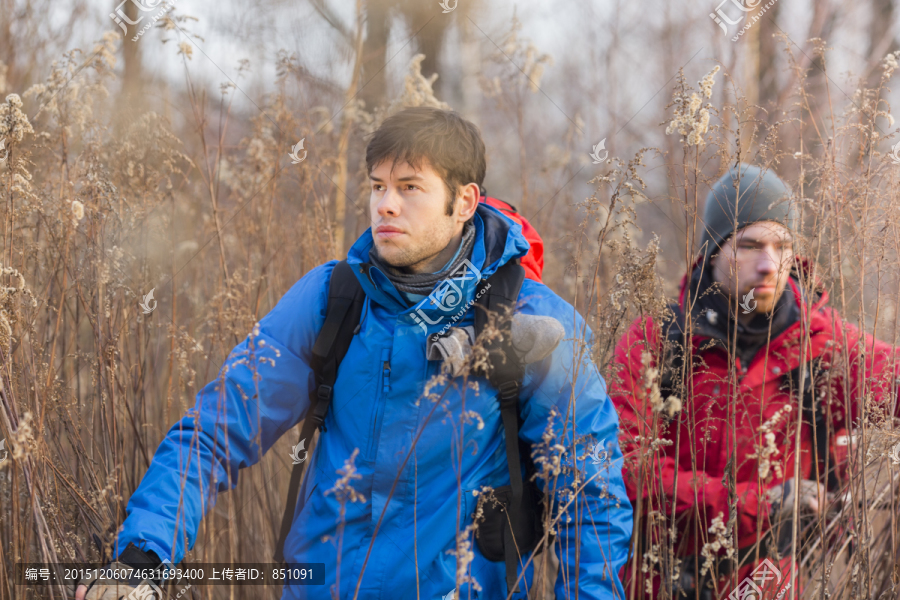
162, 164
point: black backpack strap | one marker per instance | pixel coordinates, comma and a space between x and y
672, 333
345, 303
813, 412
506, 373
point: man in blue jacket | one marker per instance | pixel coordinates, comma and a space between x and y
426, 168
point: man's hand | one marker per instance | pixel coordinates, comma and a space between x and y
111, 589
100, 588
814, 498
105, 590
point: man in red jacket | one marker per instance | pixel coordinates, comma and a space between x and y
715, 434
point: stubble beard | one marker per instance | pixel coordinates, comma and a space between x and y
400, 258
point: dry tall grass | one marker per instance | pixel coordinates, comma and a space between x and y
99, 207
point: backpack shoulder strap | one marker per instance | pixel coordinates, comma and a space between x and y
345, 303
672, 335
813, 411
499, 294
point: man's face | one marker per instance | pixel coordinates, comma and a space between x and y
759, 258
410, 224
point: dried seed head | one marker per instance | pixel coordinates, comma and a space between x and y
77, 210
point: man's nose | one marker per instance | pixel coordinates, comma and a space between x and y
389, 204
768, 261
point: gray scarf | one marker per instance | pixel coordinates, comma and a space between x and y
423, 283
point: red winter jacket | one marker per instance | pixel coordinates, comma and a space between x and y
706, 427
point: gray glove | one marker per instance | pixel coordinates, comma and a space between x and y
813, 499
110, 589
113, 581
781, 497
454, 347
534, 337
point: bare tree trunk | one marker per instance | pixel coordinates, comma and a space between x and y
751, 76
132, 79
340, 180
7, 43
767, 73
880, 38
375, 52
429, 27
430, 45
470, 64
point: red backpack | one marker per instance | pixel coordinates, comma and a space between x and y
533, 262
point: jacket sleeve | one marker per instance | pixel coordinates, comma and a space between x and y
707, 493
874, 368
261, 392
594, 532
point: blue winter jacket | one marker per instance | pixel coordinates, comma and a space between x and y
378, 407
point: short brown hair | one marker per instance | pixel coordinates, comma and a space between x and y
451, 145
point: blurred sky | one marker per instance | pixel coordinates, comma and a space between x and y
567, 29
578, 34
622, 55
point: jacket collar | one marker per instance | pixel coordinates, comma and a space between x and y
498, 240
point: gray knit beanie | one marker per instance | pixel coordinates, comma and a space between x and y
763, 197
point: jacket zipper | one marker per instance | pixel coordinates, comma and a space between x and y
380, 399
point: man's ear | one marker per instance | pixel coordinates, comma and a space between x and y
467, 201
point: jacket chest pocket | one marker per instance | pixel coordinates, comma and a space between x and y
379, 399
